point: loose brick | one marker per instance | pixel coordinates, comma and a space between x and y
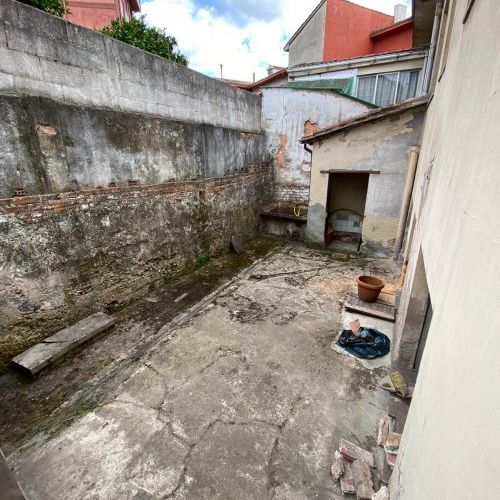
383, 430
362, 480
338, 467
392, 442
347, 480
391, 459
353, 452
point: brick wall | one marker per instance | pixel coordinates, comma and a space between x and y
69, 254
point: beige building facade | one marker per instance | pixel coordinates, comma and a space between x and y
358, 176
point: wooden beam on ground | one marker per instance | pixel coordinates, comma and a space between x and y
40, 355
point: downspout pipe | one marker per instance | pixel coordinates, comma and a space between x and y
432, 49
405, 205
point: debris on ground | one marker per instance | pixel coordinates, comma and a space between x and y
395, 382
367, 344
181, 297
363, 473
362, 480
382, 494
52, 348
236, 245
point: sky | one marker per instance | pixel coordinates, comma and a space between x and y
243, 35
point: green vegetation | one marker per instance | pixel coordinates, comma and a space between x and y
136, 32
54, 7
201, 261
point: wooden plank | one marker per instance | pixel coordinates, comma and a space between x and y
39, 356
375, 309
350, 171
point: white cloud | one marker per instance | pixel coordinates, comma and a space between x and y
209, 39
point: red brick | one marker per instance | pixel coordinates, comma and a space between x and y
347, 480
338, 467
353, 452
392, 442
391, 459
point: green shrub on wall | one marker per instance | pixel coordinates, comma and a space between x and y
135, 31
54, 7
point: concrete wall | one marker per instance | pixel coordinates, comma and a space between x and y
47, 56
47, 146
308, 44
289, 113
382, 145
449, 448
117, 168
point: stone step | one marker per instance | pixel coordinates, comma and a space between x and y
40, 355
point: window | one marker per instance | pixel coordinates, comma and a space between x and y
386, 89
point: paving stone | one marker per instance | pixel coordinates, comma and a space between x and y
39, 356
362, 480
353, 452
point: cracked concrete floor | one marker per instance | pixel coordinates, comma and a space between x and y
245, 400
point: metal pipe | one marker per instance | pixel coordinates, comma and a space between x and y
405, 205
432, 49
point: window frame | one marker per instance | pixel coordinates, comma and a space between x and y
396, 89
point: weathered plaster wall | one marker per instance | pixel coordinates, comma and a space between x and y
308, 45
47, 56
63, 256
287, 114
450, 448
47, 146
382, 145
116, 168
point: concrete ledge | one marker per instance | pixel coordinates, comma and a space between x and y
39, 356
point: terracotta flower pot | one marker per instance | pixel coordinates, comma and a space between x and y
369, 288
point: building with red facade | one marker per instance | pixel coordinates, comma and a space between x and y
339, 29
100, 13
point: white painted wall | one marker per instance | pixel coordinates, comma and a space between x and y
284, 113
450, 447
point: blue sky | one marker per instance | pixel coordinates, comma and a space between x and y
245, 36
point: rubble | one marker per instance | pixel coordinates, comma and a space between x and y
362, 480
392, 442
353, 452
382, 494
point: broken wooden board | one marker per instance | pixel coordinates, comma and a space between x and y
40, 355
376, 309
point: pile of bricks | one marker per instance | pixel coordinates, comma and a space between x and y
363, 473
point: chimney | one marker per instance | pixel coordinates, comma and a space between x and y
399, 12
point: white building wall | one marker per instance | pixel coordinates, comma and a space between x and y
286, 115
450, 448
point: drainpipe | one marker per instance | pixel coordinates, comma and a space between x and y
432, 49
405, 205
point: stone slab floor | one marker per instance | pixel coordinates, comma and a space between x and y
244, 400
